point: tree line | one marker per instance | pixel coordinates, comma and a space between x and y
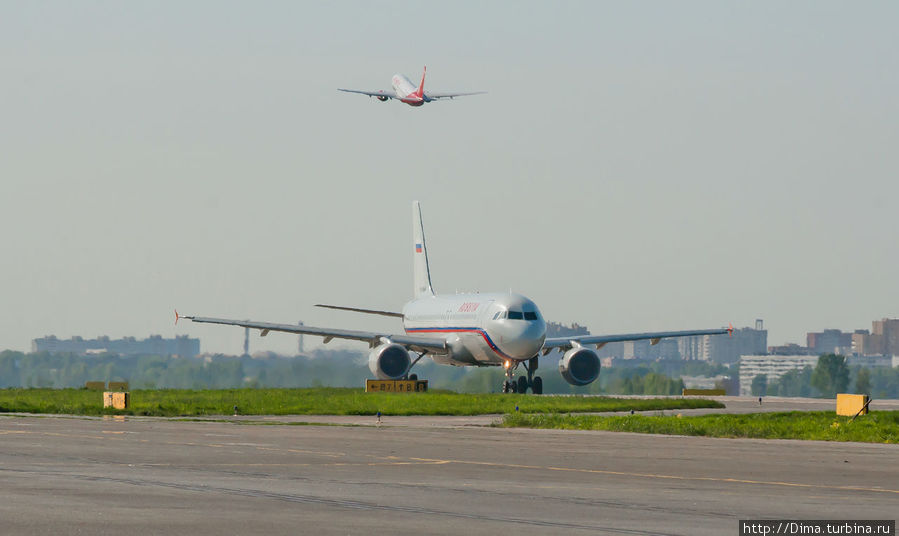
347, 368
830, 376
333, 368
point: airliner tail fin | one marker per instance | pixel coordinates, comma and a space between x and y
421, 272
421, 86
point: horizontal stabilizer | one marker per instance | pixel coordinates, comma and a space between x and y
357, 310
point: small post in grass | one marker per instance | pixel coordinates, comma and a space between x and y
863, 410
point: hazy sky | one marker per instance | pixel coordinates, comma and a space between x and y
635, 166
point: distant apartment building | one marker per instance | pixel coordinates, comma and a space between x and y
829, 341
665, 349
883, 339
555, 329
873, 361
693, 348
725, 348
772, 366
791, 349
714, 348
182, 346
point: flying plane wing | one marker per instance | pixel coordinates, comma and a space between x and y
418, 343
379, 93
436, 96
565, 343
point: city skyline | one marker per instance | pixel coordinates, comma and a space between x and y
745, 340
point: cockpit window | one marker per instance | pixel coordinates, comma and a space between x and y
530, 315
497, 315
515, 315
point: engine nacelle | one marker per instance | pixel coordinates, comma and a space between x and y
579, 366
383, 98
389, 361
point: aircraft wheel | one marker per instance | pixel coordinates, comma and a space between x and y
537, 385
522, 385
506, 387
513, 387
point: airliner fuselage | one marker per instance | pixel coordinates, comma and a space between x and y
406, 91
479, 329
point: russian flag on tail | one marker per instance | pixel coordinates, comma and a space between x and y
417, 248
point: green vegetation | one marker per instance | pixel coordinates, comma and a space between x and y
348, 368
831, 376
876, 427
333, 368
863, 382
759, 385
321, 401
651, 383
793, 383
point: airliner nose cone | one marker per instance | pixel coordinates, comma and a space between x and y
528, 343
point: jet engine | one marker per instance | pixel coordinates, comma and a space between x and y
382, 98
389, 361
579, 366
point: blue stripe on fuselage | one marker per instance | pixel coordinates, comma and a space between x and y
483, 334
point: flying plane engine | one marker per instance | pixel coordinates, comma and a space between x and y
389, 361
579, 366
383, 98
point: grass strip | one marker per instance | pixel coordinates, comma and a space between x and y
322, 401
876, 427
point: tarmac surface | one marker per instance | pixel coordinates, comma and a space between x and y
419, 475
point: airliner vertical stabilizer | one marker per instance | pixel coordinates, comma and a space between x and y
421, 272
421, 87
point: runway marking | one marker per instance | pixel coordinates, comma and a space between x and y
667, 477
334, 464
298, 451
57, 434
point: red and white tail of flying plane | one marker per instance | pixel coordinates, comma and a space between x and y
405, 91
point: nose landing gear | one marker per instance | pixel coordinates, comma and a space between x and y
509, 385
524, 382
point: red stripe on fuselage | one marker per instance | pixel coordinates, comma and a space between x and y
482, 333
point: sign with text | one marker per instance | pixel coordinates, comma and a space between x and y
396, 386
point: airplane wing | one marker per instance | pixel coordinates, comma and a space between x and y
379, 93
418, 343
565, 343
436, 96
358, 310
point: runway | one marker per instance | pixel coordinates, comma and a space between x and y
66, 475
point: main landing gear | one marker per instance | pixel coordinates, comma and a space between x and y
524, 382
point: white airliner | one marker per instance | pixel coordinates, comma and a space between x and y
405, 91
497, 329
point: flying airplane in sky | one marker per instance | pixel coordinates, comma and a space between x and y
405, 91
480, 329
